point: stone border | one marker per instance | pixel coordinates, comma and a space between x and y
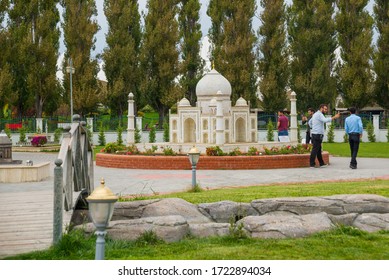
205, 162
172, 219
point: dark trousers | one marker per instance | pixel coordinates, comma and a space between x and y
308, 137
317, 139
353, 140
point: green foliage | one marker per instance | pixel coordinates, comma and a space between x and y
168, 151
311, 32
345, 138
79, 16
298, 149
152, 134
387, 133
270, 131
159, 56
166, 131
233, 41
214, 151
381, 58
331, 134
89, 133
57, 134
273, 64
132, 150
119, 131
190, 33
148, 238
121, 57
22, 135
151, 150
147, 109
113, 147
101, 137
370, 132
235, 152
7, 131
196, 189
355, 30
137, 135
252, 151
31, 56
236, 230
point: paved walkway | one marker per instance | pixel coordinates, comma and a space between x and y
26, 208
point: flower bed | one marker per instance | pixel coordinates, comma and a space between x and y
38, 140
205, 162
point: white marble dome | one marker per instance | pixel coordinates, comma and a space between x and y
184, 102
241, 102
211, 83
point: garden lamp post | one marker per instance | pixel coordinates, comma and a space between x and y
101, 206
194, 156
70, 69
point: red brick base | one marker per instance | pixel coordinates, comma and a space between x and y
205, 162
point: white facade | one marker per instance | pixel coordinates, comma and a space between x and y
213, 120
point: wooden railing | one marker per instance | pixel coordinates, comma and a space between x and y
76, 154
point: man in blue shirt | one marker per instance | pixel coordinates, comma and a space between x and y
354, 129
317, 134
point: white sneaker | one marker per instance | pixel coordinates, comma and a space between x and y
323, 166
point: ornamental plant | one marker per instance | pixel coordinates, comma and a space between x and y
38, 140
214, 151
331, 134
270, 129
370, 132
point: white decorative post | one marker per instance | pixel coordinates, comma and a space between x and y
219, 119
131, 120
39, 124
376, 125
293, 118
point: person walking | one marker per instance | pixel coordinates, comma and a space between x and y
354, 129
317, 133
282, 125
305, 120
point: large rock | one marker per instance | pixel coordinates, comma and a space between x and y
209, 229
176, 206
335, 205
168, 228
227, 211
372, 222
284, 226
131, 209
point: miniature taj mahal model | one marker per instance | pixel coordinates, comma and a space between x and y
212, 122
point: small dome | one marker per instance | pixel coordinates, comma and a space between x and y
211, 83
184, 102
241, 102
213, 102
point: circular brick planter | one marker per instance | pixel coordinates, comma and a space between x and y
205, 162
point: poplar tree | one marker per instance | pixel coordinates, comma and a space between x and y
79, 36
6, 80
159, 56
43, 51
312, 44
190, 33
233, 42
273, 58
381, 61
121, 57
19, 27
354, 26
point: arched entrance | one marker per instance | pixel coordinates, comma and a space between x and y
240, 129
189, 131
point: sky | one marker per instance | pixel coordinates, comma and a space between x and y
204, 20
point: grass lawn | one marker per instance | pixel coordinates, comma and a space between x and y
372, 150
342, 243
